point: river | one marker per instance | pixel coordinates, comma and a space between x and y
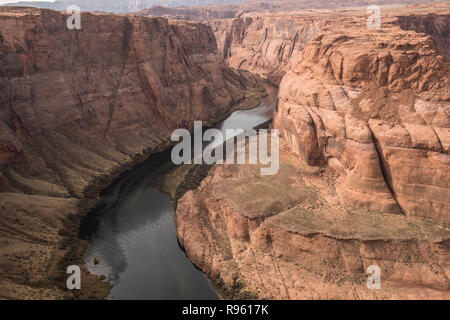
132, 230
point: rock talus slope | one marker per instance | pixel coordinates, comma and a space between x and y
76, 106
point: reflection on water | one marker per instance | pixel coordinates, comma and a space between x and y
247, 119
134, 235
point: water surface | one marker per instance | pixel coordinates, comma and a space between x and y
132, 230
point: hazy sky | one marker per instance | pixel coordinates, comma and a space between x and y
11, 1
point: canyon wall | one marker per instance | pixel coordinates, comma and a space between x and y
191, 13
126, 82
435, 25
388, 79
76, 106
264, 45
287, 237
375, 108
364, 120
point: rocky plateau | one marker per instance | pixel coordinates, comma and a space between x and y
364, 122
363, 116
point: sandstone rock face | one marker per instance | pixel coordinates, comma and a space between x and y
375, 108
95, 97
364, 158
264, 44
437, 26
364, 174
287, 237
77, 105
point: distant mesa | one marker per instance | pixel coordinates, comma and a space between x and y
118, 5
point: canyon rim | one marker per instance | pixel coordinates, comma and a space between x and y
363, 116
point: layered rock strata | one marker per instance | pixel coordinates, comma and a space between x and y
364, 177
76, 107
288, 237
374, 106
264, 44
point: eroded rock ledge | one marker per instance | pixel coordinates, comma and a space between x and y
364, 178
287, 237
374, 106
77, 107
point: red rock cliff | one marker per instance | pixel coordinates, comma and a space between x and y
364, 175
88, 100
264, 44
78, 105
374, 106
